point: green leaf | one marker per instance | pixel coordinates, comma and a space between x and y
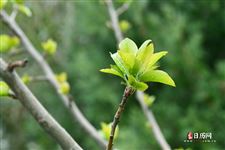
3, 3
128, 59
112, 71
152, 60
128, 46
143, 55
137, 84
119, 62
146, 50
157, 76
4, 89
155, 57
25, 10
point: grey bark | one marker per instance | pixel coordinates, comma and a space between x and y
30, 102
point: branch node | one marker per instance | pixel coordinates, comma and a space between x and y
15, 64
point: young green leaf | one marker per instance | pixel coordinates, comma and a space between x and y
147, 65
119, 62
112, 71
24, 9
138, 65
137, 84
146, 50
3, 3
127, 45
143, 55
157, 76
128, 59
155, 57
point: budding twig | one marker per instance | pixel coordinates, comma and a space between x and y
127, 93
122, 9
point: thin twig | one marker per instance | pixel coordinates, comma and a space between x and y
114, 20
73, 109
14, 12
127, 92
31, 103
155, 127
15, 64
148, 113
122, 9
38, 78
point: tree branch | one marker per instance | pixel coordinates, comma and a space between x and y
30, 102
114, 20
70, 105
127, 92
148, 113
152, 121
13, 65
123, 8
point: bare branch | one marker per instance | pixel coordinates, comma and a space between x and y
122, 9
148, 113
39, 78
114, 20
30, 102
14, 12
71, 106
15, 64
151, 119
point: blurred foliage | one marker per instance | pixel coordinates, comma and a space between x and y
4, 89
191, 31
7, 42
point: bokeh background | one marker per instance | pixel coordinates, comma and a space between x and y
193, 32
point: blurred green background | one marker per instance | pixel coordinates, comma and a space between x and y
193, 32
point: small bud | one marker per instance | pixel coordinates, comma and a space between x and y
26, 79
62, 77
8, 42
49, 46
149, 100
124, 25
4, 89
106, 130
25, 10
64, 88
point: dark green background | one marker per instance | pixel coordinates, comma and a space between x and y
193, 32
